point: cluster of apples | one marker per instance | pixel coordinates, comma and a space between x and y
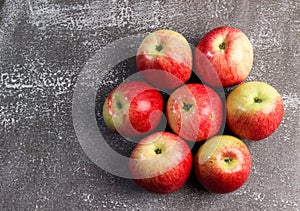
162, 161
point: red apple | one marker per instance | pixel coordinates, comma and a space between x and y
161, 163
133, 108
254, 110
167, 57
223, 57
222, 164
194, 112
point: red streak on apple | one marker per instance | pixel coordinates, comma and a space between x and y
223, 182
259, 125
163, 72
170, 181
145, 110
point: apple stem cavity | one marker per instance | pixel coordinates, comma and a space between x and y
158, 151
187, 106
159, 48
222, 46
257, 100
227, 160
119, 105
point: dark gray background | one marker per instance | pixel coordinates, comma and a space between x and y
44, 44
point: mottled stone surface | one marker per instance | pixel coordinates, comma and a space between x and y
45, 45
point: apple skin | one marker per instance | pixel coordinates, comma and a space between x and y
254, 110
223, 57
194, 112
167, 58
223, 164
161, 163
133, 109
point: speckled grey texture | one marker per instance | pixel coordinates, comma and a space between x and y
44, 46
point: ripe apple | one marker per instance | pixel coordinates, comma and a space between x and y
167, 57
133, 108
161, 163
254, 110
222, 164
223, 57
194, 112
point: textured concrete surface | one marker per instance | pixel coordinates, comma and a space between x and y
45, 44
